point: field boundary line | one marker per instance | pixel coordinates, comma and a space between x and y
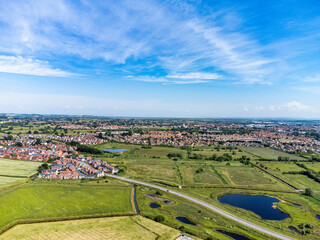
13, 176
219, 175
144, 227
60, 219
277, 178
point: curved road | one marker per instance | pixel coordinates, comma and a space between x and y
211, 207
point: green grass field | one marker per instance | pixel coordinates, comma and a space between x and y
315, 166
269, 153
208, 176
4, 181
250, 178
46, 201
305, 181
281, 166
121, 228
21, 168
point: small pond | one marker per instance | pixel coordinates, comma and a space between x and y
297, 205
233, 235
294, 229
166, 202
154, 205
115, 150
185, 220
318, 217
260, 205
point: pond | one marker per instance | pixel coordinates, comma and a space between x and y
297, 205
260, 205
116, 150
154, 205
233, 235
294, 229
318, 217
185, 220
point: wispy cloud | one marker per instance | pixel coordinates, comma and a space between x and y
314, 78
196, 75
128, 31
20, 65
310, 89
169, 80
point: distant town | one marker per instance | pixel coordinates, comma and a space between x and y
286, 135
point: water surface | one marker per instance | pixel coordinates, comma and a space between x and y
185, 220
260, 205
294, 229
233, 235
115, 150
154, 205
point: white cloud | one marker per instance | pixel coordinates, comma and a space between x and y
167, 80
296, 106
20, 65
195, 75
245, 108
122, 30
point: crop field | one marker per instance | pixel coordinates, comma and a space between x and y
20, 168
8, 180
47, 201
269, 153
131, 228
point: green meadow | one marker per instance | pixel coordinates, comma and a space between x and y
131, 228
53, 201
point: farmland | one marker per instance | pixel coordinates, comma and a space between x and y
136, 227
53, 201
13, 171
20, 168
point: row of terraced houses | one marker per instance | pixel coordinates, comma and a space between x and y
78, 167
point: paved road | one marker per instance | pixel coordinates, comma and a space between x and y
213, 208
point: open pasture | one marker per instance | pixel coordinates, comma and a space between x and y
251, 178
9, 167
269, 153
205, 175
131, 228
152, 169
315, 166
45, 201
305, 181
281, 166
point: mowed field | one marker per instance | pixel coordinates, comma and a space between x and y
121, 228
47, 201
269, 153
9, 167
8, 180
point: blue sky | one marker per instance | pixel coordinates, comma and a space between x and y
161, 58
